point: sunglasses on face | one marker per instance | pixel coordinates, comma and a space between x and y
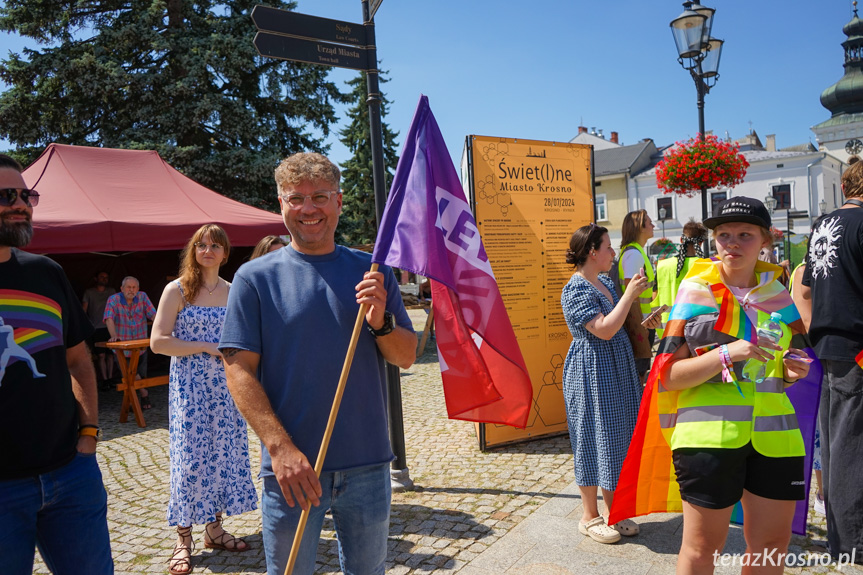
9, 196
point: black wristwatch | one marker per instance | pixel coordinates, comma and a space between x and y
388, 327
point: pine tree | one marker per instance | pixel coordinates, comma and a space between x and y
179, 76
358, 224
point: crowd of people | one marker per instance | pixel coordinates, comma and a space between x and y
237, 356
734, 437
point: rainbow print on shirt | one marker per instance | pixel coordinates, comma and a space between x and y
29, 323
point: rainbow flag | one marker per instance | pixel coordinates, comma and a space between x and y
732, 320
647, 481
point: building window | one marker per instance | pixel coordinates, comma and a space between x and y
782, 193
715, 198
601, 208
664, 203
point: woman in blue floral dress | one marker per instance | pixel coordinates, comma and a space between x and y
210, 470
601, 388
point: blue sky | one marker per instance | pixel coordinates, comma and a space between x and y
538, 70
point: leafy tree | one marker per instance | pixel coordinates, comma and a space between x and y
178, 76
357, 224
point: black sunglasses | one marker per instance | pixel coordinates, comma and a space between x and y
9, 196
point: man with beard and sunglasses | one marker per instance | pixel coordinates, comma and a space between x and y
51, 492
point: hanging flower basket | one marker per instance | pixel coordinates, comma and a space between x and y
694, 164
777, 233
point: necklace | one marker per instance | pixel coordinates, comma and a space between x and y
210, 291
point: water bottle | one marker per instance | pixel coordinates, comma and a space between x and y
771, 329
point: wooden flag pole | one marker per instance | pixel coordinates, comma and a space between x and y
328, 433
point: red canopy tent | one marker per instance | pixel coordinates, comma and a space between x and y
109, 200
129, 213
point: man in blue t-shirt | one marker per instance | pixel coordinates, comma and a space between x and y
288, 326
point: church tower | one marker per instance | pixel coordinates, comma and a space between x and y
842, 135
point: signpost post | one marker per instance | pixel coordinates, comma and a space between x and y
302, 38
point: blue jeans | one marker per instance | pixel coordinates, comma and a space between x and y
64, 512
360, 504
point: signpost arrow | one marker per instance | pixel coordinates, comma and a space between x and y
311, 51
310, 27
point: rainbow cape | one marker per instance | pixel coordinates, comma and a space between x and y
647, 481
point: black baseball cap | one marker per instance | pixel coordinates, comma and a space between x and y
740, 209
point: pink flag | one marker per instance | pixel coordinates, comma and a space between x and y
428, 228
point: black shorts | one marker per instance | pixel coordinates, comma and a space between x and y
715, 478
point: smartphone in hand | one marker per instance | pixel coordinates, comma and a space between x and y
657, 312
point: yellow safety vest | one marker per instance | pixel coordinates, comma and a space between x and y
667, 282
645, 299
715, 415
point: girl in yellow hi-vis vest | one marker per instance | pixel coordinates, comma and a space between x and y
636, 229
733, 439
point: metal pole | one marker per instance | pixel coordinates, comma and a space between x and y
700, 89
399, 474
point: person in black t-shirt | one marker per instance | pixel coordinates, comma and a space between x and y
833, 286
51, 491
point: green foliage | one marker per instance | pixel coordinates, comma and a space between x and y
358, 224
178, 76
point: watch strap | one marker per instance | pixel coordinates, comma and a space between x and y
93, 431
388, 327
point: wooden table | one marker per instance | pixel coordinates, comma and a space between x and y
429, 327
129, 369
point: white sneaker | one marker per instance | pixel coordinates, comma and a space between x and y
819, 505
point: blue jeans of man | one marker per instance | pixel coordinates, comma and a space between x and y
64, 513
360, 503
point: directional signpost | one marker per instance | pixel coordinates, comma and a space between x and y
311, 51
302, 38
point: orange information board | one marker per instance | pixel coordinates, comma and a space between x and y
529, 197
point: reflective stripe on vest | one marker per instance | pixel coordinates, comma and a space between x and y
645, 298
715, 415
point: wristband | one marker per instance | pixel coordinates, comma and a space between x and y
728, 368
93, 431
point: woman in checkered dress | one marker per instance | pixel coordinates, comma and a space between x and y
600, 384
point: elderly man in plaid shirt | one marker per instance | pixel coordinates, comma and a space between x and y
126, 315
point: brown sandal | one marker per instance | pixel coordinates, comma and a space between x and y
224, 541
183, 561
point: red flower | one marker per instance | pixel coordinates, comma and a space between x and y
696, 163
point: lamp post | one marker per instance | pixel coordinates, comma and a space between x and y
822, 206
698, 52
662, 213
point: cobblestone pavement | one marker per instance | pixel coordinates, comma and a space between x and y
465, 501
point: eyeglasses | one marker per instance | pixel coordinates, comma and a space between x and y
9, 196
319, 199
202, 247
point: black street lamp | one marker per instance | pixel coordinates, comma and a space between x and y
662, 213
699, 53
